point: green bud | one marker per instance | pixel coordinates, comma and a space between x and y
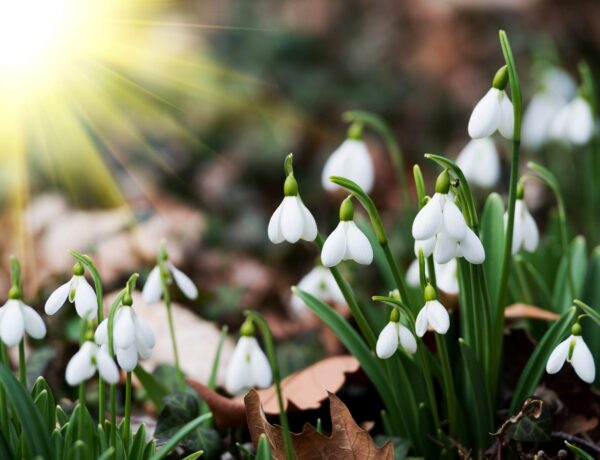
14, 293
290, 187
395, 315
395, 294
127, 300
429, 293
520, 191
501, 78
247, 329
442, 184
347, 210
78, 269
576, 329
355, 131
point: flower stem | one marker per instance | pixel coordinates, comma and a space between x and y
167, 300
448, 383
81, 409
22, 364
127, 421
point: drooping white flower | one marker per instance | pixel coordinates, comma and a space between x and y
525, 232
291, 221
480, 162
132, 337
153, 289
573, 123
446, 275
320, 283
432, 314
91, 357
575, 351
350, 160
78, 291
395, 334
248, 366
347, 241
16, 319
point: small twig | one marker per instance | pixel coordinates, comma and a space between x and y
568, 437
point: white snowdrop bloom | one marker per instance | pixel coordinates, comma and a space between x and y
575, 351
291, 221
320, 283
347, 241
153, 289
525, 232
446, 275
395, 334
91, 357
78, 291
16, 319
248, 366
132, 337
480, 162
432, 314
350, 160
471, 248
573, 123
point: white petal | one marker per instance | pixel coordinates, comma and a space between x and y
445, 249
358, 247
57, 299
558, 356
360, 165
422, 322
559, 126
124, 329
486, 115
429, 219
127, 358
583, 361
467, 157
437, 316
413, 277
184, 282
238, 371
334, 166
309, 231
518, 230
34, 325
80, 366
486, 167
387, 342
472, 249
106, 366
581, 123
537, 118
101, 334
428, 246
292, 224
259, 367
334, 247
507, 120
13, 323
446, 277
153, 288
274, 229
531, 234
407, 340
86, 302
454, 221
143, 332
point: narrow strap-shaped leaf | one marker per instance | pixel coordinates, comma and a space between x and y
5, 450
492, 238
155, 390
181, 433
195, 455
263, 450
579, 451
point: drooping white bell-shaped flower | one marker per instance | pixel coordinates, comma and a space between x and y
132, 337
16, 319
573, 123
525, 232
248, 366
153, 289
575, 351
494, 112
91, 357
446, 275
350, 160
320, 283
432, 314
480, 163
291, 221
347, 241
395, 334
78, 291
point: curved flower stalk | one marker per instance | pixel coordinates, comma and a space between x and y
17, 318
248, 366
446, 276
320, 283
347, 241
574, 123
89, 359
525, 234
153, 289
350, 160
395, 335
291, 221
575, 351
78, 291
480, 162
494, 112
432, 314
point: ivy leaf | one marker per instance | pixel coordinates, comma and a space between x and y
531, 424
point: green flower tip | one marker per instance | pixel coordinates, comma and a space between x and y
127, 300
347, 210
247, 329
430, 293
290, 186
501, 78
162, 250
355, 131
395, 315
520, 191
78, 269
288, 164
14, 293
442, 184
395, 294
576, 329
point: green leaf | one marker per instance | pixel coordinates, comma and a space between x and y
561, 295
531, 429
179, 435
263, 449
401, 446
107, 454
492, 238
579, 451
49, 412
139, 442
38, 361
57, 442
154, 389
5, 450
194, 456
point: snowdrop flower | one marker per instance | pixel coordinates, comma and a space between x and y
573, 123
291, 221
248, 366
395, 334
494, 112
575, 351
347, 241
153, 289
350, 160
525, 233
132, 336
78, 291
320, 283
90, 357
480, 162
432, 314
446, 275
16, 319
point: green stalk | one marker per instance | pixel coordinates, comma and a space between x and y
111, 351
448, 384
592, 155
270, 349
22, 364
81, 409
127, 432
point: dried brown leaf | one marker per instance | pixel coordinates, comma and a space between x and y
522, 310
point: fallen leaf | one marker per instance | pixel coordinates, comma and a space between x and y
521, 310
347, 439
577, 424
531, 424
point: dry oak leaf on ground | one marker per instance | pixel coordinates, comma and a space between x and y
347, 439
303, 390
522, 310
